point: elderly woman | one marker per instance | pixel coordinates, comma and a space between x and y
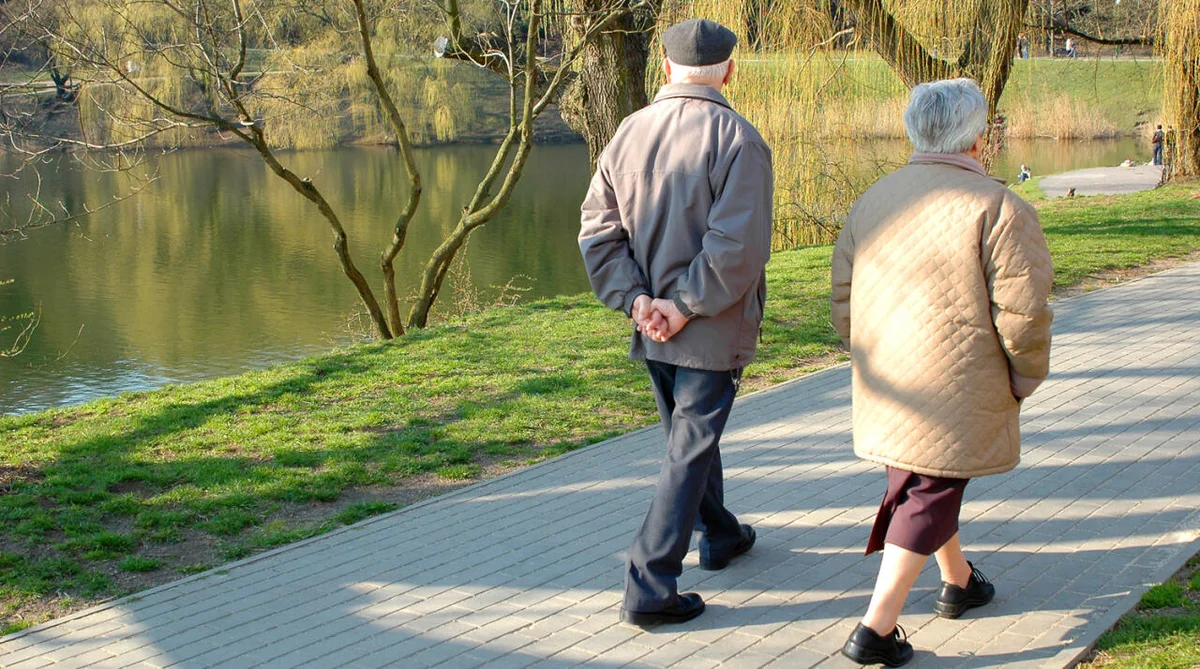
940, 282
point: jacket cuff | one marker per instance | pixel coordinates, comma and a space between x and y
1022, 386
683, 308
631, 297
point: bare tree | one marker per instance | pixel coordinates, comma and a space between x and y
148, 70
532, 58
1127, 23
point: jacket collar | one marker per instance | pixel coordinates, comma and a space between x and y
698, 91
955, 159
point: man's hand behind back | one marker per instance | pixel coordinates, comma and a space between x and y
644, 316
658, 319
668, 323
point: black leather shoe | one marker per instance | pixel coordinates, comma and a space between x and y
866, 647
686, 607
719, 562
954, 601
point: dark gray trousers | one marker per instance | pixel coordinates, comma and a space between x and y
694, 405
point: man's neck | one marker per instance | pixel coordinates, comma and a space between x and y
715, 87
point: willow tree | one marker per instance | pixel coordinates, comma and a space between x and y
163, 70
923, 41
1180, 50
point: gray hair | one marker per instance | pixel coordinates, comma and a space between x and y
945, 116
714, 73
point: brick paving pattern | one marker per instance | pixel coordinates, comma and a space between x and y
525, 570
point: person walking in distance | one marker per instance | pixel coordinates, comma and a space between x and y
676, 233
1156, 145
940, 278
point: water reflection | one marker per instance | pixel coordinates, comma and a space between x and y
220, 267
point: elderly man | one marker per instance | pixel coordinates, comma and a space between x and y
940, 283
676, 232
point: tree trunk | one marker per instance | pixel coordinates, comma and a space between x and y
611, 81
1181, 89
63, 91
483, 206
387, 259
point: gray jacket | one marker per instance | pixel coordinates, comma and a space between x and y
680, 208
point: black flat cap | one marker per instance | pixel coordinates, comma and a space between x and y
698, 42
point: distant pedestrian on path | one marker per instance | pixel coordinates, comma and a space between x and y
1156, 144
940, 281
676, 232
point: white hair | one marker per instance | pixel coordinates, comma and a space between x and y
945, 116
702, 74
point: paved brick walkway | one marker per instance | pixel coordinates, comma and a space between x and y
525, 570
1102, 180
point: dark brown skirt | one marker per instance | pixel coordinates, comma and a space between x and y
919, 513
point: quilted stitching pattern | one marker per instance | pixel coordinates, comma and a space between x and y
940, 279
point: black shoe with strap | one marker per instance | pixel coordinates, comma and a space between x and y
954, 601
865, 646
687, 606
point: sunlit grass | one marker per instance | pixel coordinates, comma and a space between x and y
1163, 631
1090, 236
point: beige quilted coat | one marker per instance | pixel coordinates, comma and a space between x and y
940, 282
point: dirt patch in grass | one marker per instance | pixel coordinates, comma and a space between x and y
801, 367
11, 475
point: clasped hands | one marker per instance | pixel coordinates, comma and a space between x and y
657, 318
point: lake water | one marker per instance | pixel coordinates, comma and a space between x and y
219, 267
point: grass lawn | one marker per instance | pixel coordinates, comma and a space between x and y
1096, 238
1125, 91
1163, 631
124, 493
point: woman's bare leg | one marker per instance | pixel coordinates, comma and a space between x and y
952, 563
897, 573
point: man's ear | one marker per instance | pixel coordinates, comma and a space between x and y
729, 72
980, 142
667, 68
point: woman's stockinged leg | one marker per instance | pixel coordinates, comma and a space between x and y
897, 573
952, 563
